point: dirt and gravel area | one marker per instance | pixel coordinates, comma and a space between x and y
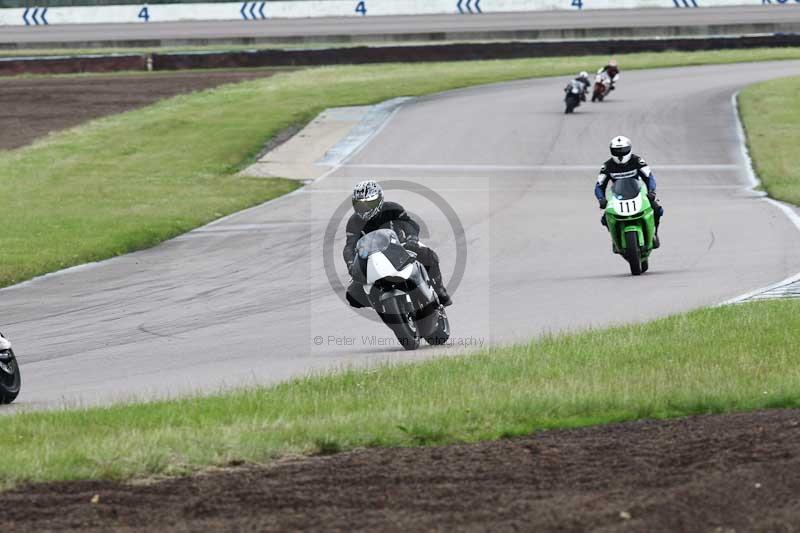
35, 106
712, 473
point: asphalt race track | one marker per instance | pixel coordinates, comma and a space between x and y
247, 300
380, 27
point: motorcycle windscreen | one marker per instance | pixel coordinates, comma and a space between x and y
375, 241
626, 188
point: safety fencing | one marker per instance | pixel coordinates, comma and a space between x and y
259, 11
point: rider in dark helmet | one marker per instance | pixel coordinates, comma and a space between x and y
372, 213
625, 164
612, 70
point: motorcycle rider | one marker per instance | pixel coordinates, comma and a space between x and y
583, 80
612, 70
624, 164
372, 213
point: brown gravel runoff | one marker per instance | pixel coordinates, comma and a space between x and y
715, 473
33, 107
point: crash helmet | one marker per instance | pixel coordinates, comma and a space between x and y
367, 199
620, 149
583, 75
612, 62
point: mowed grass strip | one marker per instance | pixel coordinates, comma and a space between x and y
129, 181
771, 115
709, 361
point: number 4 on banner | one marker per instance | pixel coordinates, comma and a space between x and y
144, 14
361, 8
577, 3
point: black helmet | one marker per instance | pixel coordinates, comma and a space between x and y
367, 199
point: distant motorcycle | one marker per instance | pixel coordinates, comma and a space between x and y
630, 220
574, 95
603, 84
399, 289
10, 380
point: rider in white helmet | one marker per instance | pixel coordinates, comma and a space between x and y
583, 77
371, 213
625, 164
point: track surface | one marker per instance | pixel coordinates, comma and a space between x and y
242, 300
382, 26
713, 473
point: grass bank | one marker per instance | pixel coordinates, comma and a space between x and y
715, 360
130, 181
771, 116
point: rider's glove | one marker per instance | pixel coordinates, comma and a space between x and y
412, 243
651, 196
351, 268
603, 203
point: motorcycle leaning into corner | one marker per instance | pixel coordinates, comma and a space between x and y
574, 95
630, 220
399, 289
602, 86
10, 380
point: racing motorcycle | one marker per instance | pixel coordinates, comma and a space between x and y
630, 220
602, 86
574, 95
399, 289
9, 372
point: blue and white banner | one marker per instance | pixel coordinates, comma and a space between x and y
263, 10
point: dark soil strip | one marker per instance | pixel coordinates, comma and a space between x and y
712, 473
32, 108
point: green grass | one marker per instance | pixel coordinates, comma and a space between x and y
771, 115
715, 360
130, 181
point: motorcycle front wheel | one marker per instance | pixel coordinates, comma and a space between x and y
632, 252
402, 323
10, 380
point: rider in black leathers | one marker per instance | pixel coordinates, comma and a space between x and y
372, 213
625, 164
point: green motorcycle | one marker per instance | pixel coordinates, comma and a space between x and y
630, 220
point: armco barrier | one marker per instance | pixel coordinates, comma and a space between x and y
455, 52
379, 54
37, 15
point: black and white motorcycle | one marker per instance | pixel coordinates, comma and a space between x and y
572, 99
399, 289
9, 372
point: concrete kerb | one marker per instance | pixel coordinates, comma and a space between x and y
789, 287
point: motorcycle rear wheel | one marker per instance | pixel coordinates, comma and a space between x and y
10, 380
632, 253
442, 332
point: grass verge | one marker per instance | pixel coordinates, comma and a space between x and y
771, 116
715, 360
130, 181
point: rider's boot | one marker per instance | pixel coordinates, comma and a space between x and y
436, 279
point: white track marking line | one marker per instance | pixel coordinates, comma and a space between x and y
525, 167
786, 209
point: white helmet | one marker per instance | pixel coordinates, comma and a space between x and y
620, 149
367, 199
583, 74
